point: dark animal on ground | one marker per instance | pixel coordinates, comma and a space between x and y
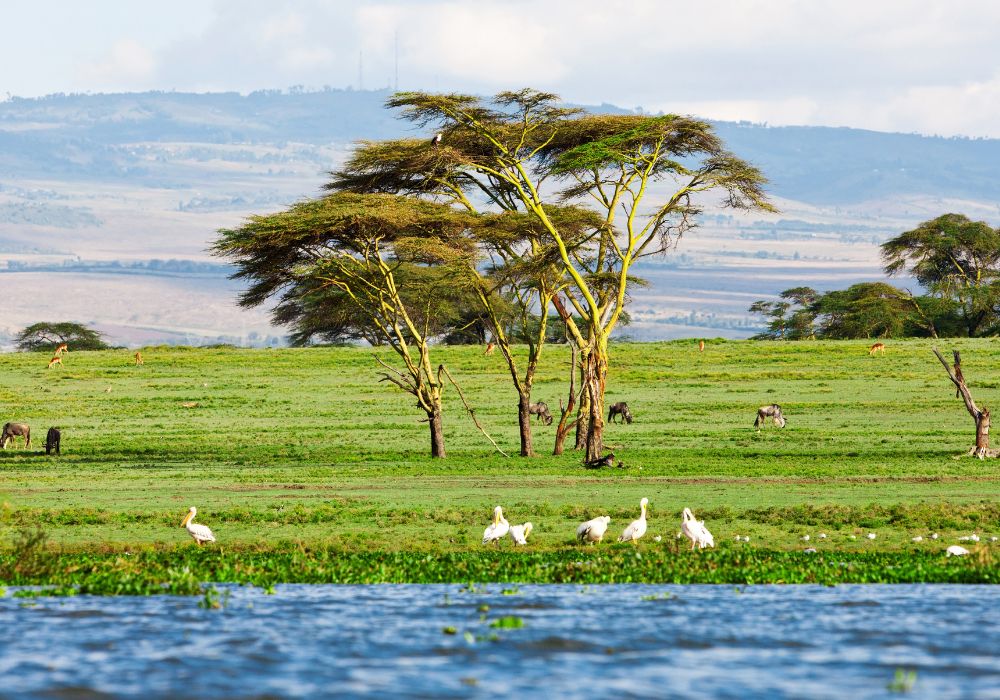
607, 461
11, 430
773, 412
541, 410
619, 409
52, 439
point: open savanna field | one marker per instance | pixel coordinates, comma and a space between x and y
307, 468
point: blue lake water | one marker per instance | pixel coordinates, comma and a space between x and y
576, 641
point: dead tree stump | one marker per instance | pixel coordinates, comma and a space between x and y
981, 415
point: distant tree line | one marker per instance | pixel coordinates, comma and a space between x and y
957, 262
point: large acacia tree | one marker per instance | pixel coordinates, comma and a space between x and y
393, 259
957, 260
521, 273
644, 175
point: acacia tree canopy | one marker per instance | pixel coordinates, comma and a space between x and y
956, 259
48, 336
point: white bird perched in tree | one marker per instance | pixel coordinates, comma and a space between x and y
436, 141
593, 530
497, 529
636, 528
956, 551
696, 531
200, 533
519, 533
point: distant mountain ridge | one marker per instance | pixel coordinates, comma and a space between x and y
91, 136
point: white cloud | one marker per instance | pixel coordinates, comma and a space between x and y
129, 64
906, 65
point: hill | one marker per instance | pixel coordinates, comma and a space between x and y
94, 185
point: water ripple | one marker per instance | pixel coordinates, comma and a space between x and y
440, 641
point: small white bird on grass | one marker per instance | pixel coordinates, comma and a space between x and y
918, 538
519, 533
934, 535
805, 538
956, 551
498, 528
637, 528
593, 530
696, 531
822, 535
969, 538
871, 535
200, 533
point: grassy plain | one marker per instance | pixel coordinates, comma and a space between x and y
303, 450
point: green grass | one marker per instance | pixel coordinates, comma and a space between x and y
306, 447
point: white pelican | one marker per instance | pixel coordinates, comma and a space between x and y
200, 533
593, 530
498, 530
519, 533
696, 531
956, 551
436, 141
637, 528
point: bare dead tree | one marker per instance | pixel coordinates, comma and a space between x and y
981, 415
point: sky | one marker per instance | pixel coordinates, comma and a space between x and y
912, 66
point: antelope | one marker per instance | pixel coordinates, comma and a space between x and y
620, 410
490, 347
56, 360
877, 347
138, 358
701, 346
774, 412
61, 349
541, 411
12, 430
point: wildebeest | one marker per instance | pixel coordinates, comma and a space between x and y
619, 409
52, 439
541, 410
773, 411
606, 461
10, 430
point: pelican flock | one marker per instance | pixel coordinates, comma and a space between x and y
200, 533
637, 528
498, 529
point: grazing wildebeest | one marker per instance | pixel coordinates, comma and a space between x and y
773, 411
541, 410
52, 439
10, 430
619, 409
